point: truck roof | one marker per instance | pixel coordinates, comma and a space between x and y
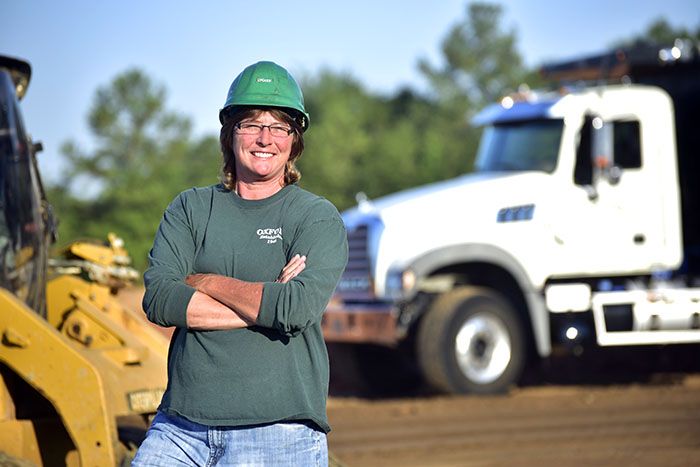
510, 111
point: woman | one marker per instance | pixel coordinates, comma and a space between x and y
244, 270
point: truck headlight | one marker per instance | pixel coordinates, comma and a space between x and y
400, 283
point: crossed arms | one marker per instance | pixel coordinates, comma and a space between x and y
222, 302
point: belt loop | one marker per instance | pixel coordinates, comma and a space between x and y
216, 449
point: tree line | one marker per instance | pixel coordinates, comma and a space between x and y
359, 141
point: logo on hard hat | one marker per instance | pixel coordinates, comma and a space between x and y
263, 80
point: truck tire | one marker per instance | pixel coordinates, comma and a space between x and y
471, 341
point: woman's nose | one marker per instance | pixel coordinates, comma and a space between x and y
265, 137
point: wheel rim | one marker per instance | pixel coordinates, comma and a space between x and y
482, 348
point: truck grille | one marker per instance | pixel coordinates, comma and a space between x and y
356, 282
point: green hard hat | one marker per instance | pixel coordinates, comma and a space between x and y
266, 84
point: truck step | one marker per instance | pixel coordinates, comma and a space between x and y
646, 317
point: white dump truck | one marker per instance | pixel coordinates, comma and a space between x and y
580, 224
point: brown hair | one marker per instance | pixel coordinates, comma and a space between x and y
228, 131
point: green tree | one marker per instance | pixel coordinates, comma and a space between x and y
360, 142
142, 158
337, 142
481, 61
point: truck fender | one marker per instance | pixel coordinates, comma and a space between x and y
484, 253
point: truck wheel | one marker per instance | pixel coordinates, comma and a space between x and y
471, 341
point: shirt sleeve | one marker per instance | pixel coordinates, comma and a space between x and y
292, 307
170, 261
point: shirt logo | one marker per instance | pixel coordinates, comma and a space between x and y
271, 235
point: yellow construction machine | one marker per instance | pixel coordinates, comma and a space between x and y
80, 374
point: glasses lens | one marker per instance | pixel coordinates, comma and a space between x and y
279, 131
249, 128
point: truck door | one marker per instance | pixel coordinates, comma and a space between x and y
621, 221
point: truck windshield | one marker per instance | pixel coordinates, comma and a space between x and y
520, 146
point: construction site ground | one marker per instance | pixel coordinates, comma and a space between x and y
606, 407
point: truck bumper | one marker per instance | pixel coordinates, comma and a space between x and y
360, 323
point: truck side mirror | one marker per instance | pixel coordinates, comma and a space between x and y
601, 145
602, 150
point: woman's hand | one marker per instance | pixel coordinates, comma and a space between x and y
292, 269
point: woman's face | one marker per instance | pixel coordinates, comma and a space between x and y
261, 157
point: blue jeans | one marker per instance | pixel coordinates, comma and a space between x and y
176, 441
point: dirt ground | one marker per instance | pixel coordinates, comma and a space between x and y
614, 407
633, 424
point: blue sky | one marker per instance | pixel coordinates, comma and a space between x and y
195, 49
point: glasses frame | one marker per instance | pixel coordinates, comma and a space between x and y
261, 127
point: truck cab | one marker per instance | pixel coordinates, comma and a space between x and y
576, 226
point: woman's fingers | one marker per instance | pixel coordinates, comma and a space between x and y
292, 269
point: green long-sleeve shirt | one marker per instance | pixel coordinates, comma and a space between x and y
276, 370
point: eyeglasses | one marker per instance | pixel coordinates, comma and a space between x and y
254, 129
